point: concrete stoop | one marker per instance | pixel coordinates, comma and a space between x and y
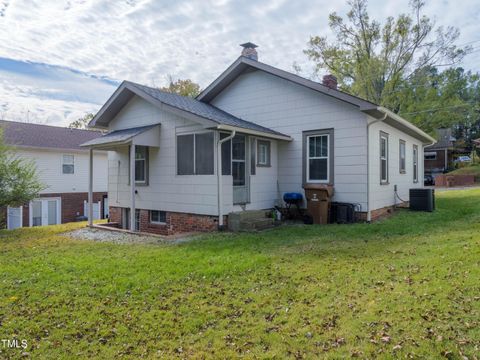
250, 220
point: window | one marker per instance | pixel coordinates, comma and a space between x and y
432, 155
141, 164
239, 160
68, 166
226, 155
415, 163
402, 157
318, 156
263, 153
195, 154
158, 217
383, 158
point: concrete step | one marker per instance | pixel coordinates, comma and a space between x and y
257, 224
250, 220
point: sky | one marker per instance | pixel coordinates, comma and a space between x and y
62, 59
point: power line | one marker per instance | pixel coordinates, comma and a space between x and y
438, 108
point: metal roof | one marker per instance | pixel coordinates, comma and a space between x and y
118, 136
181, 105
45, 136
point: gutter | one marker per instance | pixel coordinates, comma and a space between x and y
219, 177
254, 132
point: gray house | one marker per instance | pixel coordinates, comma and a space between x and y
181, 164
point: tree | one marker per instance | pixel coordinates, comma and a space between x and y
451, 98
182, 87
81, 123
373, 61
19, 182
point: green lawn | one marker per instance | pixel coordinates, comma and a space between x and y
405, 287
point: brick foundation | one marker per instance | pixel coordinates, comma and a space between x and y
71, 206
175, 222
380, 214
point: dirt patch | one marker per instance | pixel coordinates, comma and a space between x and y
116, 237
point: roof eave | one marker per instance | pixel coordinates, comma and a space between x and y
426, 139
264, 134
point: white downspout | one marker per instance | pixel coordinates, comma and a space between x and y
369, 212
132, 187
90, 187
219, 177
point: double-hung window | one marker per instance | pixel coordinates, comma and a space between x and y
383, 158
415, 163
195, 154
263, 153
141, 164
402, 156
68, 164
318, 156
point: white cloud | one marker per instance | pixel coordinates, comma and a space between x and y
145, 40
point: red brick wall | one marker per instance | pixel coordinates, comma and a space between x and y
175, 222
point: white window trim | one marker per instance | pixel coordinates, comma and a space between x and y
145, 172
384, 136
268, 153
240, 160
307, 159
404, 169
72, 163
415, 163
158, 222
194, 151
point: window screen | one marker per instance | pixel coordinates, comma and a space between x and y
195, 154
415, 163
383, 158
226, 155
317, 167
263, 156
402, 156
185, 157
141, 164
68, 166
204, 154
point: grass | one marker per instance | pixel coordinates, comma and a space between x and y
405, 287
468, 170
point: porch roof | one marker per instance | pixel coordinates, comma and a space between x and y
121, 137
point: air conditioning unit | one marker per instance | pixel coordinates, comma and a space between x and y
422, 199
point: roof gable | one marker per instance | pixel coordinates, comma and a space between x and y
192, 109
243, 64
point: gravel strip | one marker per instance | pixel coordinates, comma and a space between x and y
116, 237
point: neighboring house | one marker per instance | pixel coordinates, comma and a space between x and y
267, 132
440, 156
62, 165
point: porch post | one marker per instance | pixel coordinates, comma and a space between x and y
90, 187
132, 187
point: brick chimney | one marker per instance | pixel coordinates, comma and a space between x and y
249, 51
330, 81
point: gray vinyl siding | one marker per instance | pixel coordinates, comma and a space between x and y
292, 109
166, 191
383, 195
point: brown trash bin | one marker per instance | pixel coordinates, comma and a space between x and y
318, 201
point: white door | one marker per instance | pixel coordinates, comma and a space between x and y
96, 210
14, 218
45, 212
